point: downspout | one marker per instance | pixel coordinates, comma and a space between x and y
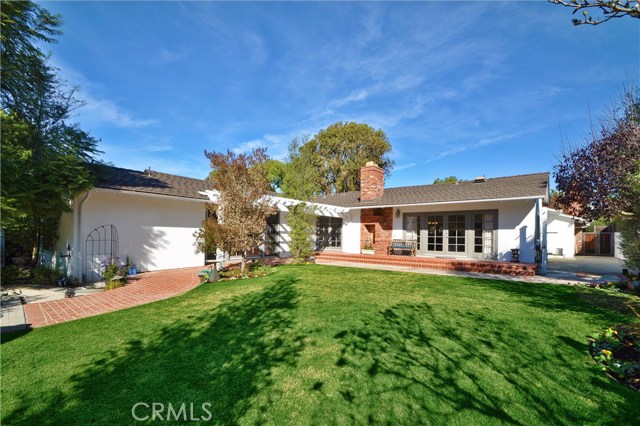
77, 236
540, 240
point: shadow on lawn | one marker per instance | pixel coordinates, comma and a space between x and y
411, 363
562, 298
223, 357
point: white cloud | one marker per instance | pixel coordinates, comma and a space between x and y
166, 56
276, 144
158, 148
404, 166
355, 96
106, 111
97, 109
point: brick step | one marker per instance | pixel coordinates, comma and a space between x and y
466, 265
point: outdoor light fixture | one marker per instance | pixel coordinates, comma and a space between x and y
397, 212
68, 251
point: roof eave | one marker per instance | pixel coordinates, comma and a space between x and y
485, 200
149, 194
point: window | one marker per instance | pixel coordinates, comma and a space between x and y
328, 232
412, 228
483, 226
271, 236
435, 232
456, 228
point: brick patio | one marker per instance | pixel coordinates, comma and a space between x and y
144, 288
462, 265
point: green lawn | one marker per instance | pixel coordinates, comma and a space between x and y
324, 345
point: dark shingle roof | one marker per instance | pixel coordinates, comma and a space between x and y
150, 182
521, 186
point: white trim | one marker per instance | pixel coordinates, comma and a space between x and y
486, 200
148, 194
561, 214
283, 203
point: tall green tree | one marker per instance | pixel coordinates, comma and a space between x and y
238, 218
44, 157
448, 179
334, 156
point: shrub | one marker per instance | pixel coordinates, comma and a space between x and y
46, 275
256, 269
10, 274
113, 267
616, 351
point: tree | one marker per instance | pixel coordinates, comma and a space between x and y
301, 177
299, 181
609, 8
333, 157
601, 178
301, 220
593, 179
275, 171
629, 228
44, 158
448, 179
238, 218
23, 23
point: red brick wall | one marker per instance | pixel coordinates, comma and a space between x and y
371, 181
381, 222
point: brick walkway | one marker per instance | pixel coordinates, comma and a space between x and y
145, 288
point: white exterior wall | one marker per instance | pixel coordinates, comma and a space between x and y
560, 234
156, 231
617, 249
65, 239
516, 223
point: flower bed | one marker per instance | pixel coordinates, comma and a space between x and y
616, 351
252, 270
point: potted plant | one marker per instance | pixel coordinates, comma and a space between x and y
131, 267
368, 249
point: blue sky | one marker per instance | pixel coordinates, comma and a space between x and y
460, 88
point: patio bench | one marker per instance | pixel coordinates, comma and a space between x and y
403, 246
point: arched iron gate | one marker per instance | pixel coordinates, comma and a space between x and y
101, 246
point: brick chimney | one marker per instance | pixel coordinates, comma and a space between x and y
371, 181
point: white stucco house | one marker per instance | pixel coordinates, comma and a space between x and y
152, 216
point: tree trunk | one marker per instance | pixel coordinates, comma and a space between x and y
35, 251
243, 262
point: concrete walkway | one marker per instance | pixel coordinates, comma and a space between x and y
11, 314
144, 288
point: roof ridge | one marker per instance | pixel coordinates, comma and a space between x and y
154, 171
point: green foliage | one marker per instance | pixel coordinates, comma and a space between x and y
302, 221
332, 159
597, 222
274, 172
301, 177
629, 225
46, 275
328, 345
43, 156
448, 179
617, 351
255, 269
112, 268
10, 274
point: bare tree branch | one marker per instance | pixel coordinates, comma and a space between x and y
610, 9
